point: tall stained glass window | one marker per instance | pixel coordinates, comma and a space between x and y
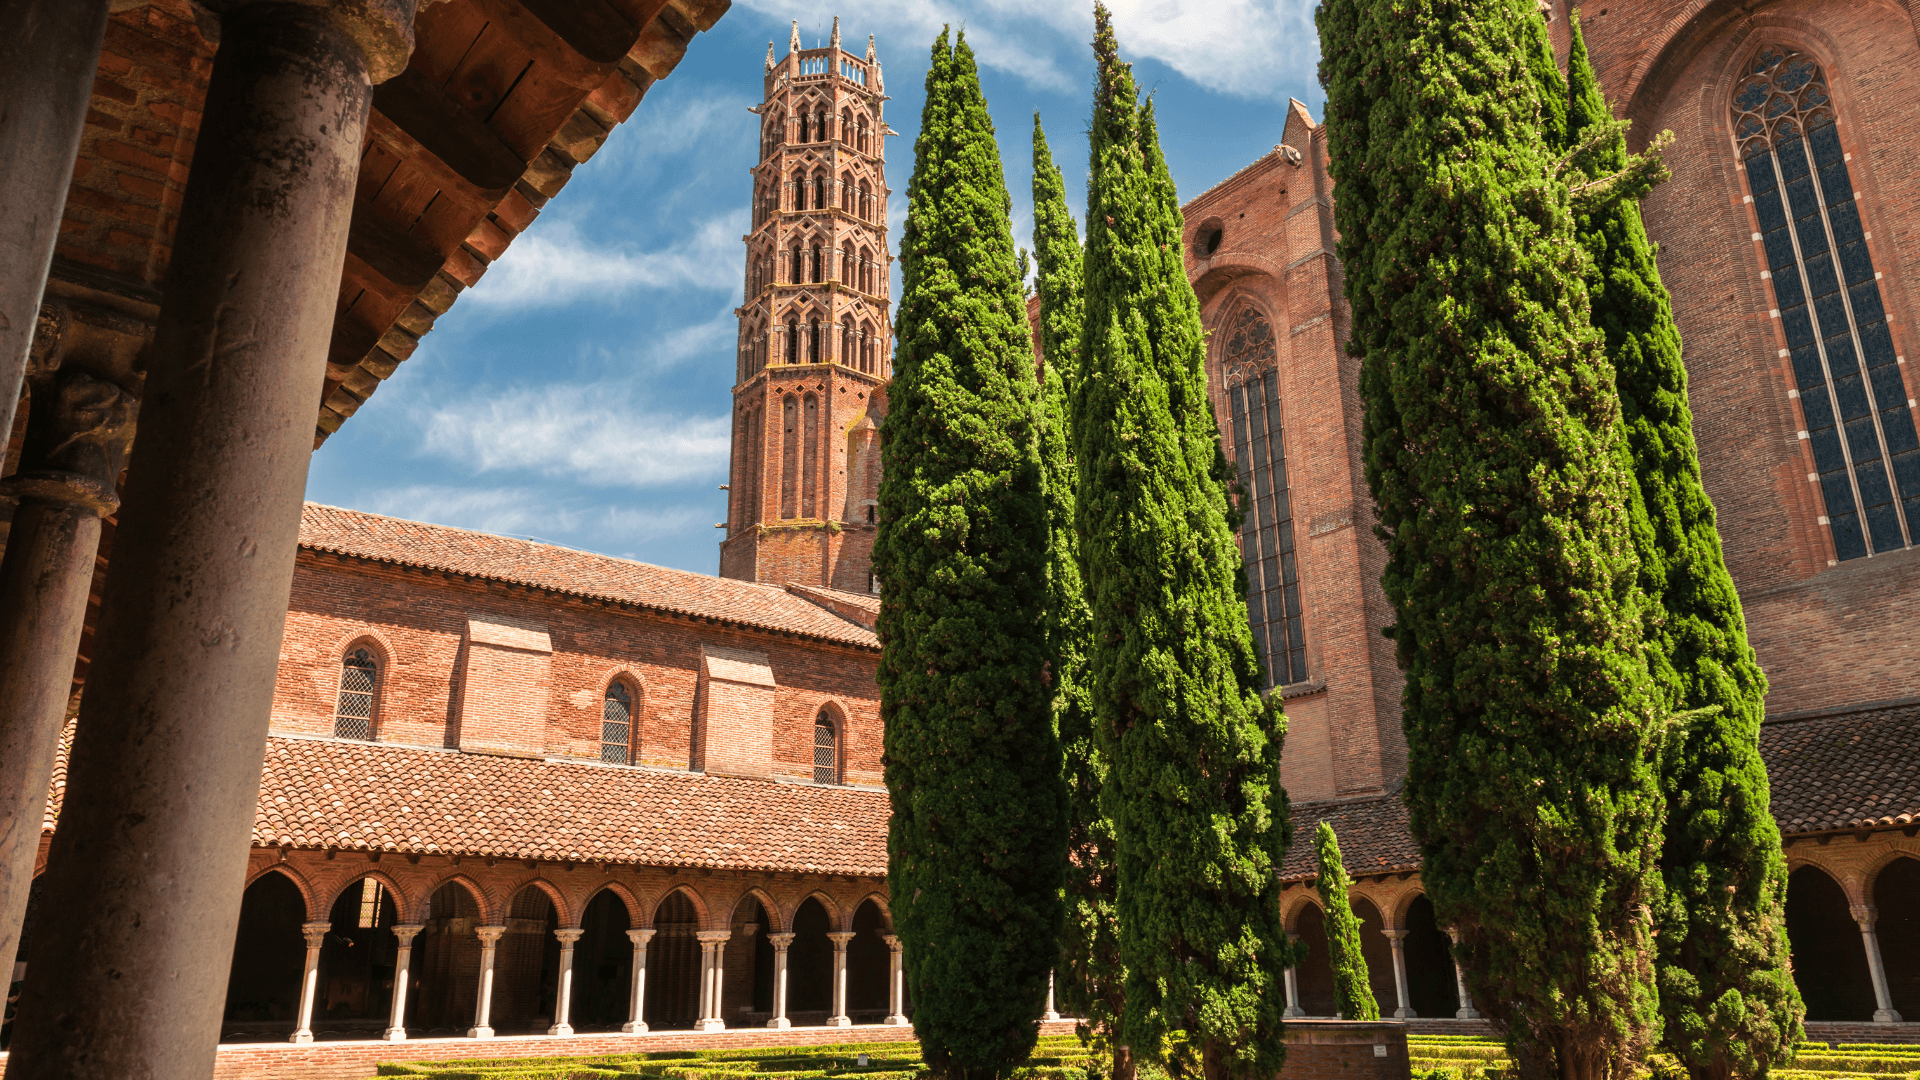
1859, 420
1266, 535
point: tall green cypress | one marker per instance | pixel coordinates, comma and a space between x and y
1352, 987
1727, 996
1193, 750
1092, 936
1492, 448
976, 845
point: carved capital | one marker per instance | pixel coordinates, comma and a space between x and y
78, 428
713, 937
640, 937
406, 933
780, 941
315, 933
489, 935
893, 942
568, 937
840, 938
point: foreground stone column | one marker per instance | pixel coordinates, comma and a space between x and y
483, 1001
75, 444
839, 1017
1466, 1010
142, 893
316, 935
780, 943
1398, 939
712, 972
897, 983
637, 1001
402, 962
1866, 915
49, 50
1292, 978
563, 999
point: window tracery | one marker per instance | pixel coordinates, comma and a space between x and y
1274, 608
826, 750
616, 725
353, 709
1846, 369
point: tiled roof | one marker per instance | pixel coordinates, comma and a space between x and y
577, 573
1851, 770
1374, 838
319, 793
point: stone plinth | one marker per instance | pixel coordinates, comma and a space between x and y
1345, 1050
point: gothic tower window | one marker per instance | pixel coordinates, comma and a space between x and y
616, 725
826, 750
810, 482
790, 459
1266, 534
1858, 423
353, 710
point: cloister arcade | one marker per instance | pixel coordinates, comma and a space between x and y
322, 946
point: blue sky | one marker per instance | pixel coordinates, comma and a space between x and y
580, 393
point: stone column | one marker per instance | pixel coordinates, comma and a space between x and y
1466, 1010
195, 602
636, 1023
780, 943
1292, 977
1866, 915
49, 50
563, 1000
1398, 940
1051, 1014
316, 935
839, 1017
75, 444
402, 974
897, 983
712, 973
483, 1001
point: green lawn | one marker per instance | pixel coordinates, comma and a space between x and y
1458, 1057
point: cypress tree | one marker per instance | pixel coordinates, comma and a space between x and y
1726, 994
1492, 446
1351, 986
1092, 936
1192, 749
976, 844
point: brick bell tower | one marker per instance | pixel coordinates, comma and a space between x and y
815, 346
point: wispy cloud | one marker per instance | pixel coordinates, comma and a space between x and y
556, 265
530, 512
598, 434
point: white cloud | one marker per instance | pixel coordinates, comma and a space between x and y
527, 512
599, 434
913, 24
555, 265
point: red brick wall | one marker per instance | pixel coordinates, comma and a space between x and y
417, 622
1345, 1050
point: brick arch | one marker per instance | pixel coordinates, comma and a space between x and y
372, 639
699, 902
1871, 870
838, 918
767, 904
481, 899
1401, 904
1229, 269
879, 900
308, 894
403, 905
1292, 904
563, 911
636, 911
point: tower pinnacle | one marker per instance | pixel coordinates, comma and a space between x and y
769, 57
793, 43
834, 42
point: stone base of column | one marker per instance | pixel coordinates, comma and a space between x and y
714, 1024
560, 1029
780, 1023
1293, 1011
1467, 1014
302, 1037
1886, 1016
634, 1027
1049, 1016
1404, 1014
897, 1020
480, 1033
395, 1035
839, 1021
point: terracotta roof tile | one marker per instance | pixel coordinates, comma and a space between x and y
577, 573
1374, 838
1851, 770
318, 793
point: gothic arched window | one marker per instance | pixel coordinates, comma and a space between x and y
616, 725
826, 749
793, 342
1266, 533
790, 458
353, 710
1846, 368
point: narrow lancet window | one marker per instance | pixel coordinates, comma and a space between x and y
616, 725
826, 750
1266, 534
353, 712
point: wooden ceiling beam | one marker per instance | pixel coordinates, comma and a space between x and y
453, 136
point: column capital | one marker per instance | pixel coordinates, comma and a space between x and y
641, 937
1865, 914
489, 935
76, 443
713, 937
780, 941
315, 932
407, 931
840, 938
893, 941
383, 29
1395, 936
569, 936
